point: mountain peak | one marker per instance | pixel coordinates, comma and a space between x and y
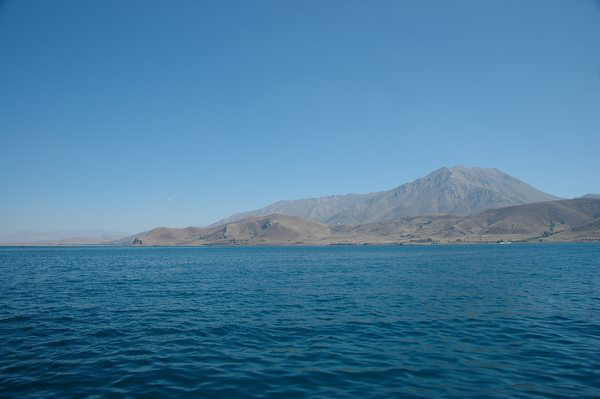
462, 169
458, 170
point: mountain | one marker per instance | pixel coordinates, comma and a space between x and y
562, 220
32, 237
458, 190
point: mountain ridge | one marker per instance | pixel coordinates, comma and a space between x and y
562, 220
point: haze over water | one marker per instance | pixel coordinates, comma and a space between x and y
435, 321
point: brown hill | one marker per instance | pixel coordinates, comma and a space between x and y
271, 229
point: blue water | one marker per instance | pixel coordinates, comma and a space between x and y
407, 322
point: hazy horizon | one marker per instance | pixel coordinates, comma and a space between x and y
129, 115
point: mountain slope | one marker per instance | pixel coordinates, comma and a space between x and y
563, 220
458, 191
543, 218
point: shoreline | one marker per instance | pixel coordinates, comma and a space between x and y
262, 245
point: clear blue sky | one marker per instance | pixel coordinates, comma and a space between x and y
126, 115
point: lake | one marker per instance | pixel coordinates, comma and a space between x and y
321, 322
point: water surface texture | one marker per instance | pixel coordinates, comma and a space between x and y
409, 322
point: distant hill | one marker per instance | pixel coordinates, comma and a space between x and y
592, 196
31, 237
562, 220
457, 191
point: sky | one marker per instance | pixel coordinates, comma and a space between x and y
126, 115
